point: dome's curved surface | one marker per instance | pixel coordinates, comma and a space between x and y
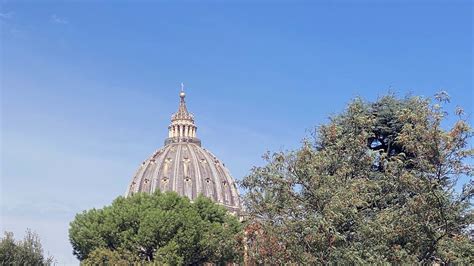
183, 166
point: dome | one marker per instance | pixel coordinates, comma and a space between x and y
183, 166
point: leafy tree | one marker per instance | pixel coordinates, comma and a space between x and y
162, 227
26, 252
103, 256
376, 184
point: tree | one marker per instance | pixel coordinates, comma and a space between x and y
376, 184
26, 252
162, 227
104, 256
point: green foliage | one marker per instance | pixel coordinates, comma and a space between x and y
162, 227
26, 252
169, 254
375, 185
103, 256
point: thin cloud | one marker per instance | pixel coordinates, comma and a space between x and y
7, 15
17, 32
58, 20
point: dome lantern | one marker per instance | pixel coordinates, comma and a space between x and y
182, 127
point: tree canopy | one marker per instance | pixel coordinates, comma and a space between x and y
162, 227
376, 184
28, 251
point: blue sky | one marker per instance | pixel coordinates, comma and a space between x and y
87, 89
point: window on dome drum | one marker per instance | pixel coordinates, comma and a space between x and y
146, 181
224, 183
187, 179
208, 180
165, 179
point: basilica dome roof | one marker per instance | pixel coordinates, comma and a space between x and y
183, 166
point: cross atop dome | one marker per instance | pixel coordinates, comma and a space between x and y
182, 94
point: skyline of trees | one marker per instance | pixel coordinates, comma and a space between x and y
376, 184
28, 251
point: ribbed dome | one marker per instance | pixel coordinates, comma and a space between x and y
183, 166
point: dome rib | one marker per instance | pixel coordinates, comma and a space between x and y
199, 184
176, 165
214, 175
160, 161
